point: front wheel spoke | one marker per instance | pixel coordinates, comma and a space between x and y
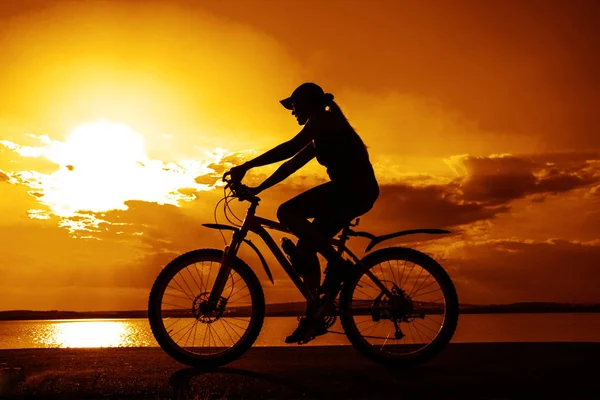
232, 286
185, 333
233, 324
191, 296
239, 319
227, 332
202, 285
237, 326
205, 332
195, 333
185, 282
208, 327
190, 333
243, 297
237, 291
176, 306
179, 297
176, 332
194, 279
173, 324
234, 331
208, 278
180, 290
219, 337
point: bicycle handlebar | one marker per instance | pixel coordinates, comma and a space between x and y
239, 190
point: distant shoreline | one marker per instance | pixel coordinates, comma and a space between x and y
297, 309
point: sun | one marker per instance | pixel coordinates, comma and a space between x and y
88, 146
100, 166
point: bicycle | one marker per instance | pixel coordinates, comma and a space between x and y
401, 327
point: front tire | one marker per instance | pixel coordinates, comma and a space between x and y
415, 324
177, 318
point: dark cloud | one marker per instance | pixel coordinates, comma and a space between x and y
510, 271
3, 177
433, 206
499, 180
487, 188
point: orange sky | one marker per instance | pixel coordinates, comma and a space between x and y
117, 117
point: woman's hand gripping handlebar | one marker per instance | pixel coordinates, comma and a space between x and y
239, 190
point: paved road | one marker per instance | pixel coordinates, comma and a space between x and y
471, 370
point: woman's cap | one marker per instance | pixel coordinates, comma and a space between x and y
307, 92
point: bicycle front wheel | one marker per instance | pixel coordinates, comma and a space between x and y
411, 323
182, 326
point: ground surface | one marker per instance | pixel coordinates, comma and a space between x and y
478, 370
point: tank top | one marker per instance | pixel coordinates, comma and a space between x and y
340, 149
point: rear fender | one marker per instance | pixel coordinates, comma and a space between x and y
375, 240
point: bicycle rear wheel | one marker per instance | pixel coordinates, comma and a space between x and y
412, 325
189, 334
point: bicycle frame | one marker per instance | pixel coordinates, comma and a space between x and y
256, 224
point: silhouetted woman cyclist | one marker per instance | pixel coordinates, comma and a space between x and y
352, 191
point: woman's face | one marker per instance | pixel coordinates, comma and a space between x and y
301, 112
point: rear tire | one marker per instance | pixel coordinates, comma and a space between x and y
400, 353
164, 321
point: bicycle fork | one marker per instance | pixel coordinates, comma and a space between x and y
228, 255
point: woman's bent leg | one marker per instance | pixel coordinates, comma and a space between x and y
314, 203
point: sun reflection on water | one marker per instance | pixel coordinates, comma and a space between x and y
91, 333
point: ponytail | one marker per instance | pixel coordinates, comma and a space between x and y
336, 111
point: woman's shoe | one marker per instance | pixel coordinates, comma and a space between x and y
306, 331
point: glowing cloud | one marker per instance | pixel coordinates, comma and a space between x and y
101, 166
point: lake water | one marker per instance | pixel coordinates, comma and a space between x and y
581, 327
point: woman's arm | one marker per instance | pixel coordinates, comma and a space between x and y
284, 150
289, 167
